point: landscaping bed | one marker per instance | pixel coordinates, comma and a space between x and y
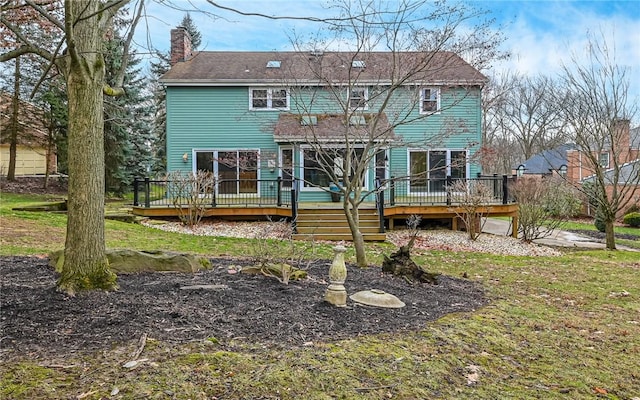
40, 322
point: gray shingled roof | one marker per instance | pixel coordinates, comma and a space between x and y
546, 161
226, 68
330, 128
628, 173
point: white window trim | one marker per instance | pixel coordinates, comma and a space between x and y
438, 96
215, 168
304, 188
600, 163
293, 164
467, 168
366, 98
269, 106
386, 164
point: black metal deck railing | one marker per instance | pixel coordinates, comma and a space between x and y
422, 191
272, 192
227, 192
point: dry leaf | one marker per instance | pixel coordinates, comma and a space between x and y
600, 390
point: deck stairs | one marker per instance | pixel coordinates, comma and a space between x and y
331, 224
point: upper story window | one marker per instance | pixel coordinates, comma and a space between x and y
358, 97
269, 99
603, 159
429, 100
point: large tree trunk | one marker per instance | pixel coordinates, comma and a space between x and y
85, 262
610, 238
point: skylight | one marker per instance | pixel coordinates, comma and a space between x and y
358, 64
308, 120
357, 120
273, 64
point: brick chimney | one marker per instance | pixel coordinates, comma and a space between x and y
180, 45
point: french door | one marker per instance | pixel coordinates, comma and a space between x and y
236, 170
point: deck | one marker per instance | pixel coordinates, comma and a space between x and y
394, 203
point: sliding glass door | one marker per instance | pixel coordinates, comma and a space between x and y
236, 170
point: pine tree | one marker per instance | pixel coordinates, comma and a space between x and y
196, 36
127, 130
159, 145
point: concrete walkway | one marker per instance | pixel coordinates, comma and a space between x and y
557, 238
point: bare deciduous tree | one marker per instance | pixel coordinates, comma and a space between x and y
472, 201
190, 194
420, 43
84, 24
544, 204
529, 114
598, 113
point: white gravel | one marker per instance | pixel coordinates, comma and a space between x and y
428, 240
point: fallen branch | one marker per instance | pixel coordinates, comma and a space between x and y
370, 388
59, 366
141, 343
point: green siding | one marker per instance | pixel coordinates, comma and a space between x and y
214, 118
218, 118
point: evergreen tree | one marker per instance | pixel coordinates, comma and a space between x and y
159, 145
196, 36
127, 128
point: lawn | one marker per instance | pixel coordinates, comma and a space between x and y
563, 327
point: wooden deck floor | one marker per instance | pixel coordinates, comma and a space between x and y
391, 213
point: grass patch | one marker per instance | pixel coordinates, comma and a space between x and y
582, 226
556, 328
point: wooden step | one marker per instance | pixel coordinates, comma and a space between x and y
335, 229
336, 221
362, 211
331, 224
369, 237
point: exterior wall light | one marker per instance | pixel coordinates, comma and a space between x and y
185, 157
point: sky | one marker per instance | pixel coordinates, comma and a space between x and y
540, 35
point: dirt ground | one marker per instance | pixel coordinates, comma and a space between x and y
39, 322
57, 185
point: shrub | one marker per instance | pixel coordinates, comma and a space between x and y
634, 208
471, 198
632, 219
599, 222
543, 206
191, 194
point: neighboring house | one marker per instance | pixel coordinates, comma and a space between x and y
547, 163
570, 163
242, 116
31, 152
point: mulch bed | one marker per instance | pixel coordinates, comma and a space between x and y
37, 321
57, 185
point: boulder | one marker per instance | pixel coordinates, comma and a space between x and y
133, 261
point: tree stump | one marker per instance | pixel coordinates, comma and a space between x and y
401, 264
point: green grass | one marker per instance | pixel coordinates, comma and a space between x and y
571, 225
627, 230
556, 328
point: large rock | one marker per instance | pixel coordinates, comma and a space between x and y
132, 261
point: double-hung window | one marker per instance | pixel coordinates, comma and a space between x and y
603, 159
428, 169
269, 99
358, 97
429, 100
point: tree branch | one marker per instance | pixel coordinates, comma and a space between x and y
45, 14
119, 78
25, 49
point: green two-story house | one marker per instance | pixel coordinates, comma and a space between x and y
254, 117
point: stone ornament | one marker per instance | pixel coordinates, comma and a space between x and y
336, 293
